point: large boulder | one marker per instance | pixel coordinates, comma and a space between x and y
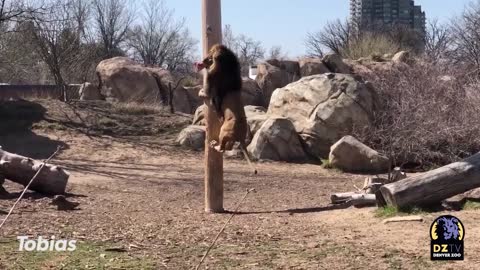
251, 93
291, 67
124, 80
199, 116
192, 137
251, 110
350, 155
186, 100
256, 116
312, 66
335, 63
324, 108
275, 74
89, 91
277, 140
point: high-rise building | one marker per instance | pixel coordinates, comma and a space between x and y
374, 13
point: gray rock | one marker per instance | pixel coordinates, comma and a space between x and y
125, 80
350, 155
199, 116
336, 64
89, 91
256, 116
324, 108
192, 137
312, 66
277, 140
274, 74
252, 94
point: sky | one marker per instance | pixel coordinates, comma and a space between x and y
286, 23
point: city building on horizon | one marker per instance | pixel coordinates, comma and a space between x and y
374, 13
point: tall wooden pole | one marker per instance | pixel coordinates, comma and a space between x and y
211, 35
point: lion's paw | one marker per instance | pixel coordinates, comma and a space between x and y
218, 148
202, 93
213, 143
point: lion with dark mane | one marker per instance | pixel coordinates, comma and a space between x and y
223, 75
223, 86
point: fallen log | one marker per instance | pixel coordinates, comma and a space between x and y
51, 180
434, 186
361, 200
353, 198
338, 198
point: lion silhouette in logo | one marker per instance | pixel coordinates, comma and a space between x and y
447, 228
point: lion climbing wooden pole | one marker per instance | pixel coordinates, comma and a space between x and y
211, 35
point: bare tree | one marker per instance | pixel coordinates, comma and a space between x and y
18, 59
180, 55
314, 45
437, 41
160, 39
81, 12
20, 10
335, 37
248, 50
466, 36
404, 36
112, 21
276, 52
56, 39
228, 38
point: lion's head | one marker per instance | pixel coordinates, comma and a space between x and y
219, 56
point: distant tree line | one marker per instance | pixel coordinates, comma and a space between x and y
62, 41
69, 37
457, 40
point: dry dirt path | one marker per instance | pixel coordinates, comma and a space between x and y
149, 200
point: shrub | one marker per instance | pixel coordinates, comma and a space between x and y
370, 45
423, 117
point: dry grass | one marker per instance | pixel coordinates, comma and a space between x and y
133, 108
370, 45
422, 119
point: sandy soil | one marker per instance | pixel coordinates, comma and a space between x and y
145, 195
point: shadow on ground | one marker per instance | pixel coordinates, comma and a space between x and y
16, 135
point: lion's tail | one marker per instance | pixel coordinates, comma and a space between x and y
247, 157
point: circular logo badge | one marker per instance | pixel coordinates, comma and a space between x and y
447, 228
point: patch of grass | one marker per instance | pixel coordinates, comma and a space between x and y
391, 211
106, 122
49, 126
471, 205
87, 256
133, 108
386, 212
326, 164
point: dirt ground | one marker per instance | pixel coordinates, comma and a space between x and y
141, 204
